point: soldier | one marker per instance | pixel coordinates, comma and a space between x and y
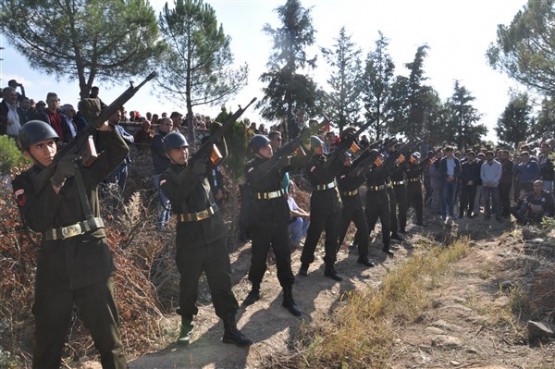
399, 188
414, 185
325, 208
348, 182
200, 239
75, 264
269, 220
378, 205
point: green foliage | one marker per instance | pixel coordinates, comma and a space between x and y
287, 89
237, 141
376, 86
543, 125
343, 101
514, 124
415, 105
524, 50
196, 68
463, 117
10, 156
86, 40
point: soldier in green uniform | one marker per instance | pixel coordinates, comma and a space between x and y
325, 208
74, 265
200, 239
269, 219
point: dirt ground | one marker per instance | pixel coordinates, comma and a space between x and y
462, 329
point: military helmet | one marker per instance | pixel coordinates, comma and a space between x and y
347, 132
174, 140
257, 142
315, 142
35, 131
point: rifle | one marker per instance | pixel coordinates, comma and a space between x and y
294, 146
366, 159
83, 139
347, 144
208, 149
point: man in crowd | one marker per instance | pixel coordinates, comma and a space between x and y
10, 122
546, 167
470, 173
534, 206
450, 171
490, 173
161, 163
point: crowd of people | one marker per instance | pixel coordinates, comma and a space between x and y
350, 180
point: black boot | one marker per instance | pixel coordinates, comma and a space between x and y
186, 332
288, 301
304, 270
364, 261
331, 273
388, 251
232, 334
253, 296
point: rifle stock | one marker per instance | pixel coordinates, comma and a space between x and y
81, 140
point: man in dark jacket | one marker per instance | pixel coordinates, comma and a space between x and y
75, 264
450, 172
161, 163
470, 173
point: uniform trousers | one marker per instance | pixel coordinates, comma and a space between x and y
414, 195
318, 223
96, 308
357, 216
392, 211
213, 260
378, 206
402, 205
263, 238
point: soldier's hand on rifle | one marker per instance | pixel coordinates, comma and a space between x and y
284, 161
65, 168
105, 127
199, 168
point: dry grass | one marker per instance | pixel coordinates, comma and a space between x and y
360, 332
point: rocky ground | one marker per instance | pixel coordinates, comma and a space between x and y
470, 323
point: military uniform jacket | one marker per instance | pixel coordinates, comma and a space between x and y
266, 212
81, 260
415, 170
349, 182
192, 195
320, 172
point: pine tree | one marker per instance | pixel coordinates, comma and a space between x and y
343, 100
287, 89
102, 40
197, 69
514, 124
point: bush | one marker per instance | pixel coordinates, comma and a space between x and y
10, 156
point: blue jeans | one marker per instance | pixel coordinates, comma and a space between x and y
297, 230
448, 203
165, 210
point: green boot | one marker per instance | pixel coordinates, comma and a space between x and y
186, 332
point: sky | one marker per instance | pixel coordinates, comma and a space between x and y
458, 34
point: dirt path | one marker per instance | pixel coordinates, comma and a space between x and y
464, 328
